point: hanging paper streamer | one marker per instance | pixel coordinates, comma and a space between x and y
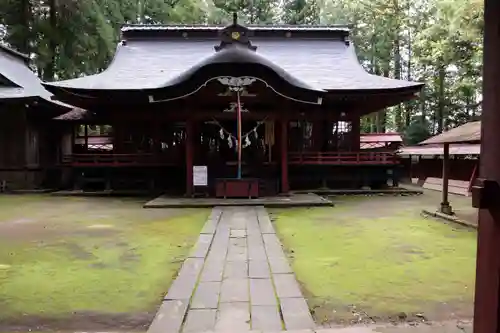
224, 132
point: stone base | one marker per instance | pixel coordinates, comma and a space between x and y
445, 208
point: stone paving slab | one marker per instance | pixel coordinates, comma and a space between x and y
258, 269
169, 317
279, 265
296, 314
287, 286
233, 317
212, 222
213, 270
206, 296
236, 269
199, 320
182, 288
200, 250
234, 290
266, 318
262, 292
265, 224
273, 246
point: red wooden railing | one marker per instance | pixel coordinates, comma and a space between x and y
115, 159
304, 158
343, 158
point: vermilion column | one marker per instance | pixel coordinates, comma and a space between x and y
189, 156
284, 155
487, 301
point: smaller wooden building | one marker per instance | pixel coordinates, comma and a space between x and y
29, 139
448, 162
426, 159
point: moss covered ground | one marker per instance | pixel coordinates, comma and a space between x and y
67, 257
377, 258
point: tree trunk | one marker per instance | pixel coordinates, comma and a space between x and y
410, 105
441, 99
423, 111
49, 70
397, 65
24, 46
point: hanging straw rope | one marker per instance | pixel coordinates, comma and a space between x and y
246, 135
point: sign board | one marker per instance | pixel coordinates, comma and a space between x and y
200, 175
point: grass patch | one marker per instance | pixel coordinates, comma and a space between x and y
54, 263
384, 263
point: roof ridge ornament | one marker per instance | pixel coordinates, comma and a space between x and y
235, 34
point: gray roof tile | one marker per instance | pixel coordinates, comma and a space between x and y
25, 84
327, 64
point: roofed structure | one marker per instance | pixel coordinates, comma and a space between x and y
437, 149
470, 132
275, 106
158, 63
17, 80
379, 140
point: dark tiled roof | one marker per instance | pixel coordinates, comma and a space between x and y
23, 83
430, 150
321, 63
470, 132
197, 27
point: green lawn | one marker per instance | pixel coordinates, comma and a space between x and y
60, 256
380, 256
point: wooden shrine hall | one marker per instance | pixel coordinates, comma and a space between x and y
229, 111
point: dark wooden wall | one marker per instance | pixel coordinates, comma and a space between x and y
460, 169
28, 147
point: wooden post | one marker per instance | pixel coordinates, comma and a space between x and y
86, 133
445, 205
318, 135
189, 157
487, 293
355, 133
284, 155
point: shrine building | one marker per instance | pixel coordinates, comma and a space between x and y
229, 111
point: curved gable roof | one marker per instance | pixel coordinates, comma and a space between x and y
320, 58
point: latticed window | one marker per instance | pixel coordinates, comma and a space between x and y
342, 133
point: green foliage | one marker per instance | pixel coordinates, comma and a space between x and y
301, 12
417, 132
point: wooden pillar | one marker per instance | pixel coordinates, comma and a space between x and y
86, 131
486, 197
189, 157
445, 204
318, 135
284, 155
355, 132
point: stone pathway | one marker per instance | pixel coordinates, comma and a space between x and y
236, 279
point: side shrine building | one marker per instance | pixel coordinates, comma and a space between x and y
29, 139
228, 111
